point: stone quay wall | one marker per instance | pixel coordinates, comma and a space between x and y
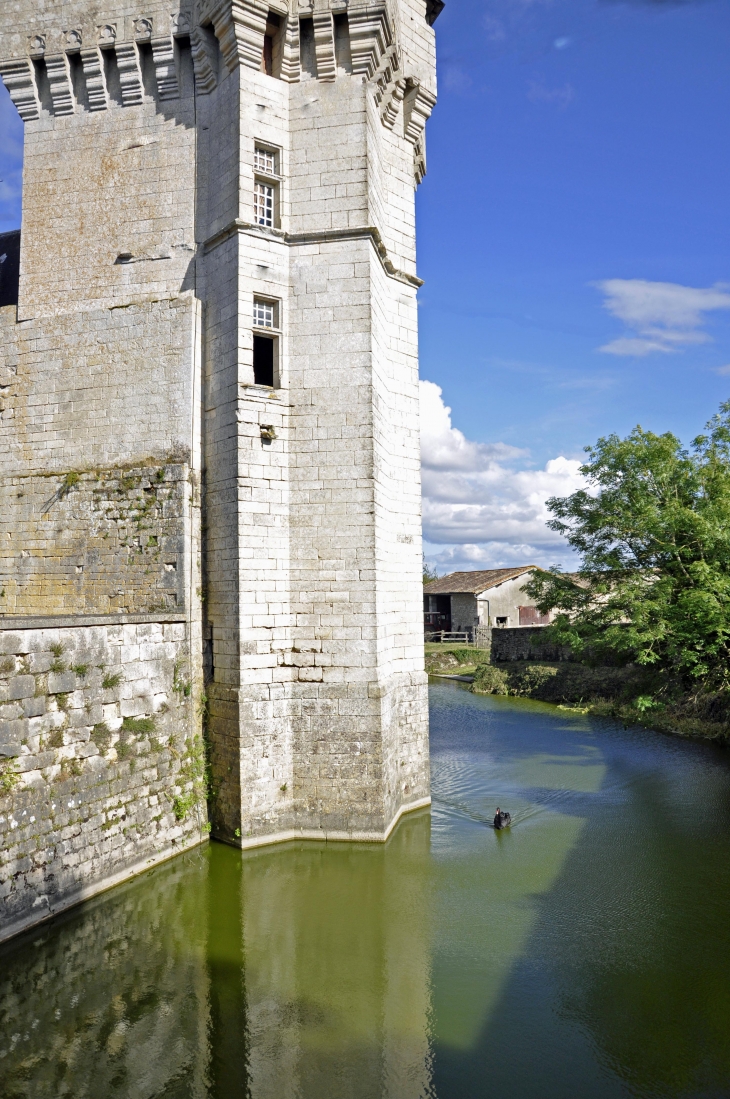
525, 643
100, 766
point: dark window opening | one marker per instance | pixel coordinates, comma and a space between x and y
270, 58
501, 620
437, 613
263, 360
267, 59
9, 267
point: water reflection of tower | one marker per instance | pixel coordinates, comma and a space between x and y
337, 960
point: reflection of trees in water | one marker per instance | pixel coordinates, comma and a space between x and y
650, 978
286, 972
108, 1002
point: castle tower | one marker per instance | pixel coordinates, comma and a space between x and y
209, 452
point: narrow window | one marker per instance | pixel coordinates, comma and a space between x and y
270, 58
265, 342
264, 160
266, 186
263, 204
263, 313
263, 360
267, 58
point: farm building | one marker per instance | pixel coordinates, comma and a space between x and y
462, 602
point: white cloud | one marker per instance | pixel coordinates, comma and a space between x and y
724, 370
665, 316
476, 498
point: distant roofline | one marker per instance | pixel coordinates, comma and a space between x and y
473, 583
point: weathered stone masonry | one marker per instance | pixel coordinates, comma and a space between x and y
244, 555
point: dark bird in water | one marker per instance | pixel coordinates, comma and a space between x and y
502, 820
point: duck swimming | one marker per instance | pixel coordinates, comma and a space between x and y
502, 820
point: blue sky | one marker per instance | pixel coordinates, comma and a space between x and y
573, 235
577, 156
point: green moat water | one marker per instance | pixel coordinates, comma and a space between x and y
583, 953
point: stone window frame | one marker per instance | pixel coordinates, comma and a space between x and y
267, 184
271, 332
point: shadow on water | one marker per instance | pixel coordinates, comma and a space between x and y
622, 985
583, 952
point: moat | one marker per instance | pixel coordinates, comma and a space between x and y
583, 952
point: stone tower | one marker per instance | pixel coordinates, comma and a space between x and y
209, 451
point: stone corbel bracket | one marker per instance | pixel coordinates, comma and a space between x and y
324, 45
370, 36
239, 26
19, 79
417, 106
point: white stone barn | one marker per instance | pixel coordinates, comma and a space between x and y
492, 598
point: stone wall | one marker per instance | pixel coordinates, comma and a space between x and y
106, 541
131, 353
100, 760
525, 643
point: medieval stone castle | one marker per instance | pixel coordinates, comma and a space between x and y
210, 555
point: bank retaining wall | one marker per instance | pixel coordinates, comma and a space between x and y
525, 643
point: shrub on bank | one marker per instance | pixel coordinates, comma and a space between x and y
634, 695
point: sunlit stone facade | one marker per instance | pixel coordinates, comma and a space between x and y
210, 421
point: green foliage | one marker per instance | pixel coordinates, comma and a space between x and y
138, 725
196, 772
80, 669
68, 482
429, 574
58, 665
653, 532
490, 680
181, 687
55, 740
112, 680
9, 777
101, 734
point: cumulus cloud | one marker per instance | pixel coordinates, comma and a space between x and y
478, 499
665, 316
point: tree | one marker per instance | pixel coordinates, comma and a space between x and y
653, 532
429, 573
